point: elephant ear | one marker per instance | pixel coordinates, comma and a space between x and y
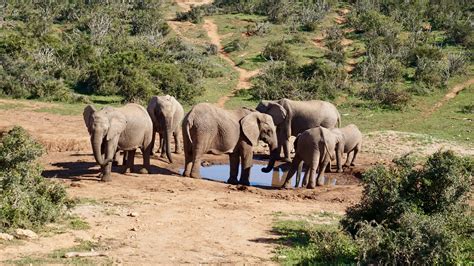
87, 114
117, 126
277, 112
250, 129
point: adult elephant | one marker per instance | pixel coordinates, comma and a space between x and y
293, 117
126, 128
207, 128
167, 114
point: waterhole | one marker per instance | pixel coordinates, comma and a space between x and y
220, 172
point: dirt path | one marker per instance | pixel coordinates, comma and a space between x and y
453, 92
244, 75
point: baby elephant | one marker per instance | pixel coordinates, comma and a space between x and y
207, 128
351, 142
315, 147
167, 114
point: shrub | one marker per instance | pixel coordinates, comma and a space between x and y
27, 200
388, 95
277, 51
235, 45
414, 215
461, 32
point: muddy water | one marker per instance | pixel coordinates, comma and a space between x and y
257, 177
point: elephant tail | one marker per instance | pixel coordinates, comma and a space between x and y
323, 138
187, 124
339, 123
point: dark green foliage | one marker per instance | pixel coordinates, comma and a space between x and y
334, 36
318, 80
196, 14
468, 109
57, 51
277, 51
27, 200
414, 214
389, 95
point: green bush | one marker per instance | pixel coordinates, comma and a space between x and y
235, 45
461, 32
415, 215
387, 95
277, 51
27, 200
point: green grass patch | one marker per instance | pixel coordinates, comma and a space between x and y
76, 223
306, 241
57, 256
11, 106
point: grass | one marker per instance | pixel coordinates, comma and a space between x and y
311, 239
448, 122
57, 256
77, 223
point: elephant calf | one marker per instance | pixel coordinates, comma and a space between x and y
126, 128
167, 114
315, 147
207, 128
351, 142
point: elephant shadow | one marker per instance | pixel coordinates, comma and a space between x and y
73, 171
90, 171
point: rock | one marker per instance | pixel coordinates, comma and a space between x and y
25, 234
75, 184
133, 214
134, 229
5, 236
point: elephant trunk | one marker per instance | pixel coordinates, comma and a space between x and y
168, 144
96, 140
274, 153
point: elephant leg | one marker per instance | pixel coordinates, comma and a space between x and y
247, 162
124, 158
286, 151
356, 151
314, 164
298, 174
234, 161
177, 146
305, 179
130, 161
311, 177
153, 136
322, 170
115, 162
293, 168
146, 161
162, 145
188, 155
348, 159
196, 167
107, 169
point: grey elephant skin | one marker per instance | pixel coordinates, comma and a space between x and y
351, 143
125, 128
167, 114
293, 117
315, 147
209, 129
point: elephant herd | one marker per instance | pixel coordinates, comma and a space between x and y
210, 129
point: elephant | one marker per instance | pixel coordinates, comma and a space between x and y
351, 142
167, 114
207, 128
125, 128
293, 117
315, 147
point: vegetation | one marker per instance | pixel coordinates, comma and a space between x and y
66, 51
27, 200
408, 215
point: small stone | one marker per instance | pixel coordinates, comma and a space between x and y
25, 234
5, 236
133, 214
75, 184
134, 229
